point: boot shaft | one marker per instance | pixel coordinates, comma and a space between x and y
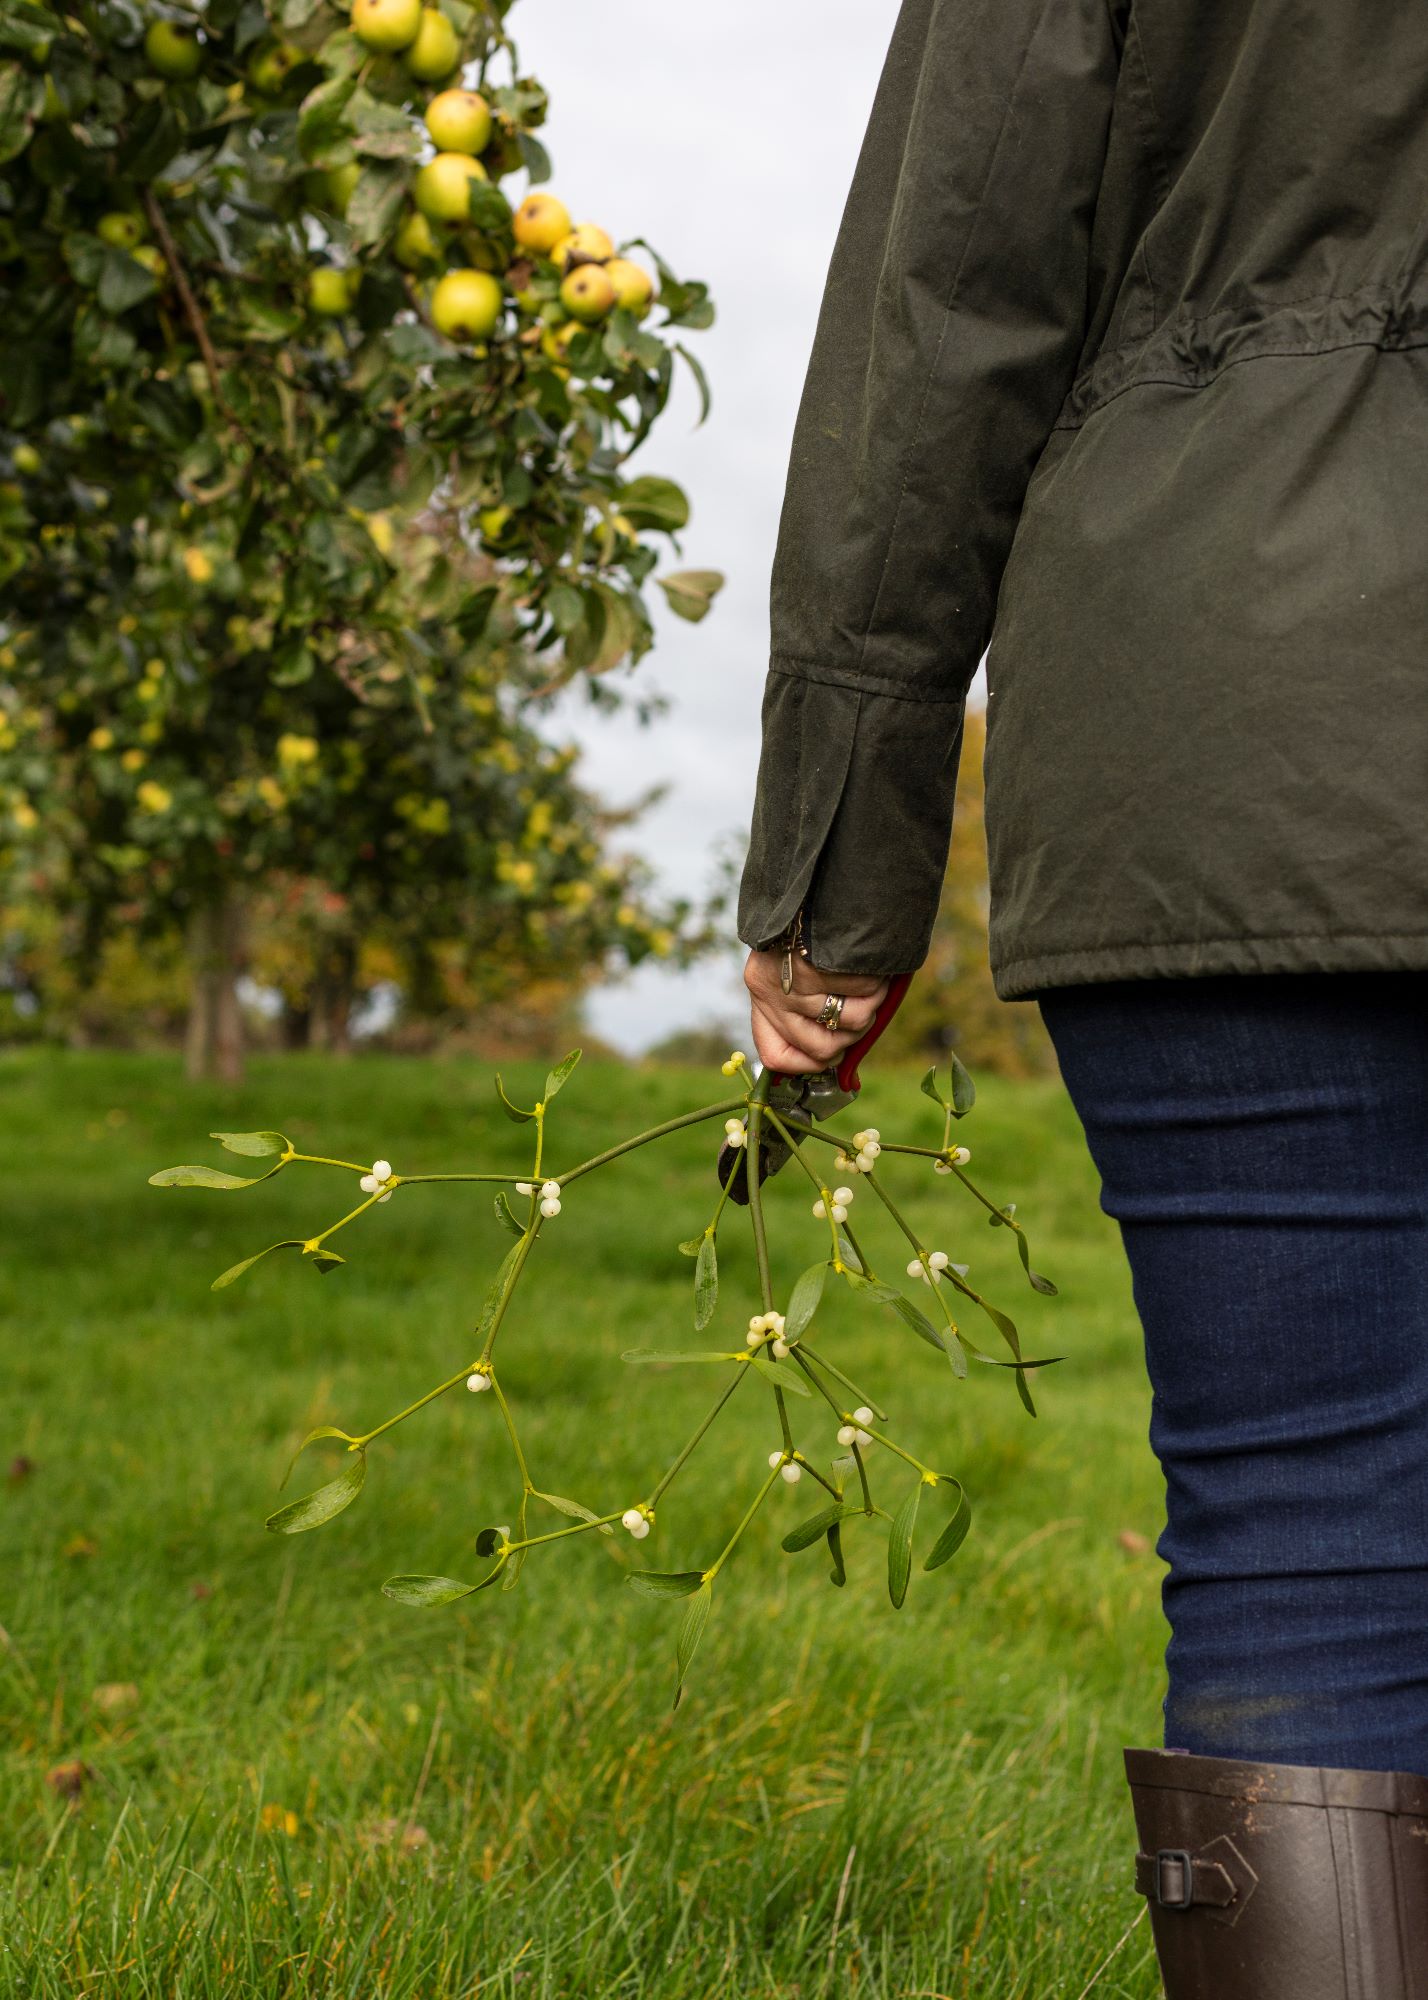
1277, 1882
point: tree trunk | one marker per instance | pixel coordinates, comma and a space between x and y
332, 996
213, 1044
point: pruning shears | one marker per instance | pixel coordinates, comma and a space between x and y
799, 1100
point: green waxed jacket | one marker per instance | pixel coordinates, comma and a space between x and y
1122, 368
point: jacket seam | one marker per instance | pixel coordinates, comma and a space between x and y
916, 439
1144, 91
1194, 384
1251, 938
859, 681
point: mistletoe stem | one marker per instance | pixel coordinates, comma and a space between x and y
655, 1132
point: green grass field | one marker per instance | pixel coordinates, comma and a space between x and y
317, 1791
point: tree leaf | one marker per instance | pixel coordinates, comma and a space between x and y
786, 1379
638, 1354
236, 1271
257, 1145
124, 281
815, 1527
556, 1077
574, 1509
701, 380
322, 117
706, 1283
955, 1533
205, 1177
506, 1215
325, 1503
665, 1582
322, 1431
426, 1591
654, 503
691, 592
691, 1631
900, 1546
512, 1111
804, 1301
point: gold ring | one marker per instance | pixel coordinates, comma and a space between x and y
830, 1015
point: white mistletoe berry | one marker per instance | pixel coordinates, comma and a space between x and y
369, 1183
781, 1349
550, 1207
847, 1434
792, 1473
819, 1210
775, 1458
381, 1170
632, 1519
941, 1166
843, 1195
872, 1134
477, 1381
939, 1260
863, 1414
862, 1439
960, 1156
915, 1268
524, 1187
753, 1339
840, 1212
550, 1190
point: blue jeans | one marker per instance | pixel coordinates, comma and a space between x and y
1262, 1141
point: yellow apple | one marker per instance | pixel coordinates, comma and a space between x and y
540, 222
436, 49
329, 291
585, 239
339, 184
465, 305
414, 244
25, 459
152, 259
442, 189
459, 121
634, 287
121, 228
173, 50
492, 522
587, 294
386, 24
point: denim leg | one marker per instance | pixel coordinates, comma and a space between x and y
1263, 1143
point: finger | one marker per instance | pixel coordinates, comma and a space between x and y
809, 979
855, 1017
818, 1046
776, 1052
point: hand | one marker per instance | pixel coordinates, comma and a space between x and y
786, 1031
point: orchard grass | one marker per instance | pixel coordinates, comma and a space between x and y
318, 1791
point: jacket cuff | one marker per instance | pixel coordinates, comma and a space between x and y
851, 821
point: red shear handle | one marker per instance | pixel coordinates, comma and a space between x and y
892, 1000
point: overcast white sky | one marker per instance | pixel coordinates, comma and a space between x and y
726, 133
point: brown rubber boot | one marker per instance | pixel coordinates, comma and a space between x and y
1277, 1882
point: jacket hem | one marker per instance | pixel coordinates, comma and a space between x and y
1331, 951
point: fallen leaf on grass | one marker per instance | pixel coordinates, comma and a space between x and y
1133, 1542
68, 1780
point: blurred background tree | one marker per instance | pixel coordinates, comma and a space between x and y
313, 495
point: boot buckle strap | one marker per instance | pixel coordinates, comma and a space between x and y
1175, 1879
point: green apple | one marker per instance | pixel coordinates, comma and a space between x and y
152, 258
459, 121
442, 189
587, 294
271, 67
25, 459
634, 287
121, 228
329, 291
465, 305
386, 24
339, 186
414, 243
173, 50
436, 50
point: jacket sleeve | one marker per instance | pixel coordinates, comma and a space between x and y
951, 327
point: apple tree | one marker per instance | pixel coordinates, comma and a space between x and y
313, 430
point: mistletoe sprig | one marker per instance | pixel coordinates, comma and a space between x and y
778, 1349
